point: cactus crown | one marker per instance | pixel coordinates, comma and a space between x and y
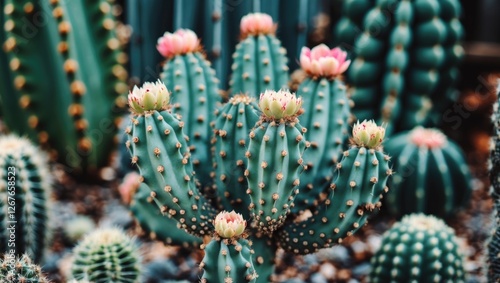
241, 98
229, 224
149, 97
431, 138
280, 105
322, 61
182, 41
367, 134
256, 24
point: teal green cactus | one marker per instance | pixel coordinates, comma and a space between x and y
24, 198
350, 25
232, 125
20, 270
195, 94
433, 177
64, 81
326, 117
260, 61
419, 248
406, 64
275, 159
159, 149
228, 256
106, 255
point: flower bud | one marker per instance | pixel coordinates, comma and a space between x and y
151, 96
368, 134
229, 224
280, 104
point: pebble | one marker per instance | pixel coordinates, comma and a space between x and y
328, 270
337, 254
318, 278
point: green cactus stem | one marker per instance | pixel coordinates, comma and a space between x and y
67, 78
260, 61
358, 184
24, 198
433, 177
232, 125
419, 248
160, 150
20, 270
106, 255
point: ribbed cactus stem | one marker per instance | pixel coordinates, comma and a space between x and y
20, 270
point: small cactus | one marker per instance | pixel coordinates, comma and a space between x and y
419, 248
24, 198
106, 255
20, 270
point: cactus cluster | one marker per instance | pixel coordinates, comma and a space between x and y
20, 270
25, 195
432, 175
406, 59
63, 78
419, 248
106, 255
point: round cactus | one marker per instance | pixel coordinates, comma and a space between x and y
432, 175
20, 270
26, 185
419, 248
106, 255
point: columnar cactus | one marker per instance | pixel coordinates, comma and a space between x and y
433, 177
350, 25
195, 93
68, 84
260, 61
159, 148
20, 270
358, 183
407, 58
326, 118
419, 248
275, 159
230, 249
106, 255
25, 194
232, 125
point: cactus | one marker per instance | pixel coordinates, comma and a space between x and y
419, 248
26, 187
67, 78
259, 59
407, 59
195, 94
228, 257
232, 125
106, 255
350, 26
326, 117
433, 177
20, 270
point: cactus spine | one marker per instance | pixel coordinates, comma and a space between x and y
24, 197
68, 78
419, 248
260, 61
106, 255
20, 270
433, 177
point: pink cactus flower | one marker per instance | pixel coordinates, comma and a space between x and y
129, 186
255, 24
229, 224
280, 104
322, 61
430, 138
180, 42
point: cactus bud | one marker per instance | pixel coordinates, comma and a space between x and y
368, 134
229, 224
323, 62
281, 104
181, 42
151, 96
255, 24
431, 138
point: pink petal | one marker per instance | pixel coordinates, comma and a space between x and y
320, 51
344, 66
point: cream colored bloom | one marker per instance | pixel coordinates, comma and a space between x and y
229, 224
151, 96
279, 104
368, 134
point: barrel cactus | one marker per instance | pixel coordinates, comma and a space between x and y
106, 255
419, 248
26, 187
433, 177
20, 270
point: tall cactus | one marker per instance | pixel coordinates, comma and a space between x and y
419, 248
326, 116
406, 62
67, 78
433, 177
25, 193
259, 60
